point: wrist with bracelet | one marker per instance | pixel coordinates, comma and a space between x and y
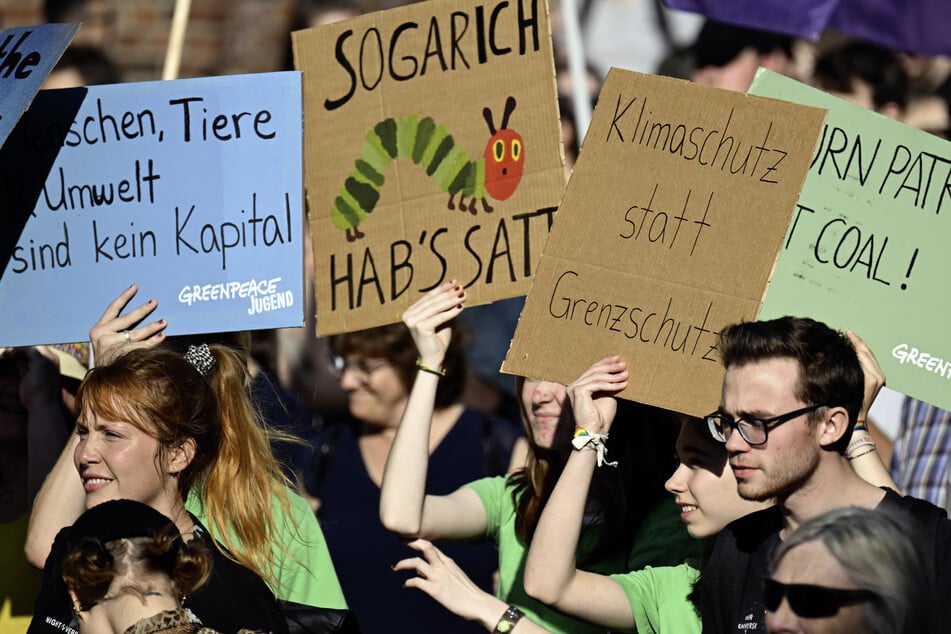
860, 446
583, 439
510, 617
425, 368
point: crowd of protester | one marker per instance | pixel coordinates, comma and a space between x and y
393, 480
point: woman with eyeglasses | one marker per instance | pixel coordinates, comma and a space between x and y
851, 570
376, 369
661, 599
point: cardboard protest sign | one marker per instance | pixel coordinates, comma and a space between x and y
668, 231
27, 55
867, 248
432, 151
190, 188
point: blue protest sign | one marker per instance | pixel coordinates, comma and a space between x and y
27, 55
190, 188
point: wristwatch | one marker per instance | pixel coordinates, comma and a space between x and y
508, 620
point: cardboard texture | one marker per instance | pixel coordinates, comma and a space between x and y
669, 228
396, 106
867, 247
27, 55
190, 188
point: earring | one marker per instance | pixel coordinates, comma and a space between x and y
74, 622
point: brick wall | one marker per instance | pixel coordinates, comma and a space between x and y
223, 36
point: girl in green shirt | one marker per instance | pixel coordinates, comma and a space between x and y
626, 526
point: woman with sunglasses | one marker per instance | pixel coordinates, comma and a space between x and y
657, 599
850, 570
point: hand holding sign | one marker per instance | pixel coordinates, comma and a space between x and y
427, 320
114, 334
592, 394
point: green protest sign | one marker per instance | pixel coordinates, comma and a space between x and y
867, 246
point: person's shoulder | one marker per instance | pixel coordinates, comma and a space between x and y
234, 594
489, 484
299, 507
918, 508
224, 566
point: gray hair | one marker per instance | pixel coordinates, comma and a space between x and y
881, 552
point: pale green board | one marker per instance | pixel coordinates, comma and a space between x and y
873, 255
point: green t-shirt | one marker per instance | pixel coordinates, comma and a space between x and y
306, 574
658, 598
661, 541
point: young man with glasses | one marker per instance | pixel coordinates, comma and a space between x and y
792, 392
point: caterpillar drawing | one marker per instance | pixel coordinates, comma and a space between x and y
496, 174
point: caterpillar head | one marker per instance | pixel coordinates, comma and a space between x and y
504, 157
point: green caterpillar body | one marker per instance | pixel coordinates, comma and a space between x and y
424, 142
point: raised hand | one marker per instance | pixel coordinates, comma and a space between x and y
442, 579
115, 333
874, 375
592, 394
428, 318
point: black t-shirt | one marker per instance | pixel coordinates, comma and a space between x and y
751, 616
233, 597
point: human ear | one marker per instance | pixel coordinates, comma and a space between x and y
834, 425
181, 456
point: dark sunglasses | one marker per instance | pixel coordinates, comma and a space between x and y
811, 602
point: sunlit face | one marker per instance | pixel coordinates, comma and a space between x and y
544, 404
117, 460
703, 485
790, 455
375, 394
812, 563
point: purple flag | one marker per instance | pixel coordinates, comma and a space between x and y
802, 18
912, 26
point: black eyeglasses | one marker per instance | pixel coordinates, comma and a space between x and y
753, 430
811, 602
364, 367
